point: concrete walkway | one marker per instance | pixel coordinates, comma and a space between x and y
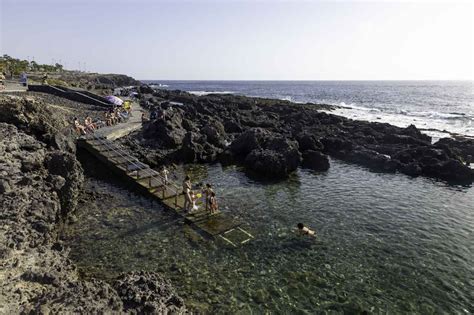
12, 86
123, 129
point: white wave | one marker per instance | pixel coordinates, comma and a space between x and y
353, 106
159, 85
201, 93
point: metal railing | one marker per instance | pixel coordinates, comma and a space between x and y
130, 160
151, 175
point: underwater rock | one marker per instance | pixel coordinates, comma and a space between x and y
148, 292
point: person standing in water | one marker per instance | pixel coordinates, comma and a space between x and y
187, 193
208, 191
213, 206
303, 230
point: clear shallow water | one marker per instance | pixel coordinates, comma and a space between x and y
386, 242
440, 105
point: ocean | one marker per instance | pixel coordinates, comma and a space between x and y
386, 243
439, 108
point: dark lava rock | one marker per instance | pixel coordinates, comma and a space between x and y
411, 169
373, 160
250, 124
248, 141
169, 132
315, 160
145, 89
278, 158
464, 147
307, 141
145, 292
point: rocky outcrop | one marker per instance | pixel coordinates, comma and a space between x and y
39, 189
145, 292
266, 153
34, 117
35, 272
305, 133
315, 160
169, 133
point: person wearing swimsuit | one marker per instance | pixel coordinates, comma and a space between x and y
187, 193
303, 230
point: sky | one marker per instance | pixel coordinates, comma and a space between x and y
246, 40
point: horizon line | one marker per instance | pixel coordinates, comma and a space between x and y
301, 80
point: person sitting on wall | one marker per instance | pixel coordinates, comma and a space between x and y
79, 128
90, 126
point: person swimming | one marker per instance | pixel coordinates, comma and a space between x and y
303, 230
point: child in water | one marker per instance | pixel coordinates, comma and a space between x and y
303, 230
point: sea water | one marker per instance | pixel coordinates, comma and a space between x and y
385, 243
437, 107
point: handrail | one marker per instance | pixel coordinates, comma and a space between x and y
134, 161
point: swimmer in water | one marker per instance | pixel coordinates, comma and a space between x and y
303, 230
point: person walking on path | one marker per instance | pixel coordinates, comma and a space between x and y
187, 193
165, 173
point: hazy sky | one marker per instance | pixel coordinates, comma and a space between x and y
272, 40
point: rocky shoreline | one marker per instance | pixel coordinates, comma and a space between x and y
40, 185
272, 138
41, 179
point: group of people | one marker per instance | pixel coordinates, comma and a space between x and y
112, 117
116, 115
89, 126
191, 196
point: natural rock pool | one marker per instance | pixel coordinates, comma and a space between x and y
386, 243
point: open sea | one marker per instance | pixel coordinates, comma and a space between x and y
434, 106
386, 243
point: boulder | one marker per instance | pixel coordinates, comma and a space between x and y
169, 133
250, 140
334, 145
196, 149
232, 126
462, 147
278, 158
450, 170
411, 169
307, 141
315, 160
414, 132
214, 134
373, 160
145, 89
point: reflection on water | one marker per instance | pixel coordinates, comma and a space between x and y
385, 243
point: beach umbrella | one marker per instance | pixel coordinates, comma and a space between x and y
114, 100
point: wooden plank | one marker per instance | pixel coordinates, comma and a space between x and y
214, 225
136, 166
150, 182
121, 159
